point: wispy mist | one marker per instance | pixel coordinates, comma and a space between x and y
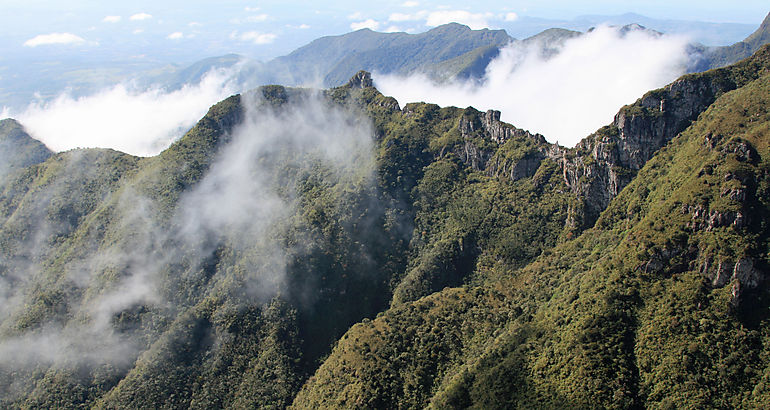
564, 97
241, 206
136, 121
251, 188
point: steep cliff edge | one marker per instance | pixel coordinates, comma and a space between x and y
602, 164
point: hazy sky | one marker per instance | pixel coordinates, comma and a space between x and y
264, 29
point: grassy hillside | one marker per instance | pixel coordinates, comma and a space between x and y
17, 149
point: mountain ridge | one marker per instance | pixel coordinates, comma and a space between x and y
535, 339
467, 262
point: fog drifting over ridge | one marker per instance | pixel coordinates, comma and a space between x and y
565, 97
243, 203
138, 121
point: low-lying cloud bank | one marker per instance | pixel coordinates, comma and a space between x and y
565, 97
136, 121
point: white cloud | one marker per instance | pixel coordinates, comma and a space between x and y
304, 26
177, 35
369, 23
511, 16
140, 16
256, 37
111, 19
140, 122
396, 17
410, 4
251, 9
475, 21
566, 97
355, 16
194, 24
53, 38
138, 31
257, 18
393, 29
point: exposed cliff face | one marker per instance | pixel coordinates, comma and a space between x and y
362, 79
521, 164
663, 301
601, 165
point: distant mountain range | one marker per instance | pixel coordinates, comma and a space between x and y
708, 33
445, 52
722, 56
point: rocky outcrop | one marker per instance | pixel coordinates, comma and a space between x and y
362, 79
704, 220
743, 274
488, 127
659, 261
473, 156
516, 169
601, 165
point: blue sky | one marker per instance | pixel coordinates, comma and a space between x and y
187, 30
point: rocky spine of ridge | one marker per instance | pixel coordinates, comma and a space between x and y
602, 164
489, 126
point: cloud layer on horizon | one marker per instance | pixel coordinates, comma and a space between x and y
565, 97
138, 122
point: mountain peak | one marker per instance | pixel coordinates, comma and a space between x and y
362, 79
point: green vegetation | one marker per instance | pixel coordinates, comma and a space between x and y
619, 317
457, 267
17, 149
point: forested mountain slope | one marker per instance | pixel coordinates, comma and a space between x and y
477, 264
662, 303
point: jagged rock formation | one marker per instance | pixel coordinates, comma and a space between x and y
362, 79
662, 302
606, 161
